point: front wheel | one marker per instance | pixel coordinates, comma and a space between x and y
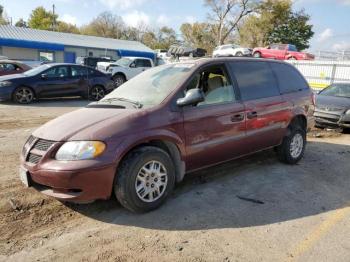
23, 95
240, 54
293, 146
145, 179
119, 79
257, 55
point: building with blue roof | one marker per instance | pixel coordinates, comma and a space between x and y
31, 44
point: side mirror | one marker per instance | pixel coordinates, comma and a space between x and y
44, 76
193, 96
133, 65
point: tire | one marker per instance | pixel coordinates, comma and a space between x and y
119, 79
97, 93
257, 55
292, 58
240, 54
23, 95
293, 146
132, 172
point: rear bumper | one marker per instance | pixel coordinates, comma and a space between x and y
73, 186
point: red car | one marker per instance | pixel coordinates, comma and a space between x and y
141, 139
9, 67
281, 52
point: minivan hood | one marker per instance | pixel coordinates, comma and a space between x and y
87, 124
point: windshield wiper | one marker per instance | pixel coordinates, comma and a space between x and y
136, 103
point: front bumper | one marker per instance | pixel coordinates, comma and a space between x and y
73, 186
74, 181
332, 119
5, 93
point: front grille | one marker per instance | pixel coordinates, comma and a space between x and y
43, 145
34, 159
27, 145
330, 108
35, 148
30, 140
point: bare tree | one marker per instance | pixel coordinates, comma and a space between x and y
226, 15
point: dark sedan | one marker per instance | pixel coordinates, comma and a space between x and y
333, 106
55, 80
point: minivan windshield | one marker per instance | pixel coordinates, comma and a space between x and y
151, 87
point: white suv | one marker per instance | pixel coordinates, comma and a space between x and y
231, 50
128, 67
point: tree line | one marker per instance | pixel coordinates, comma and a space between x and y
249, 23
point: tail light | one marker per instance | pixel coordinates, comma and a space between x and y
313, 97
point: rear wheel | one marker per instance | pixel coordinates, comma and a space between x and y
145, 179
97, 93
23, 95
119, 79
292, 58
293, 146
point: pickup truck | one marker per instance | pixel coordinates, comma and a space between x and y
281, 52
127, 68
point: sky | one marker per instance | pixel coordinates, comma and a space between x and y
330, 18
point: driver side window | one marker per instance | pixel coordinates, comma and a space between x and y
56, 72
215, 85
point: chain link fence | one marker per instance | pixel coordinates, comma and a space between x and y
321, 73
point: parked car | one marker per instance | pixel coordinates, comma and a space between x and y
178, 51
161, 53
92, 61
173, 119
281, 52
10, 67
231, 50
128, 67
55, 80
333, 106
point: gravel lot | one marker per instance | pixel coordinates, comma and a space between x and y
303, 212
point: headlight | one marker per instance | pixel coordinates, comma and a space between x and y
80, 150
5, 83
348, 112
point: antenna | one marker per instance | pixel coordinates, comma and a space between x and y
53, 18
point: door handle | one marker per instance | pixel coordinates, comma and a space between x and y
237, 118
251, 115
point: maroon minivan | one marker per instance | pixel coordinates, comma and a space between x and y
142, 138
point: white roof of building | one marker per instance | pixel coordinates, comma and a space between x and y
67, 39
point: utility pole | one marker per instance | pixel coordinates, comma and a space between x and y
53, 18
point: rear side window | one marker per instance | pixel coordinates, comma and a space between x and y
289, 79
255, 80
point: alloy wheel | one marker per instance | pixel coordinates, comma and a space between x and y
118, 80
24, 95
151, 181
296, 145
97, 93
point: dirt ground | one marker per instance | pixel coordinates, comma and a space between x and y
302, 212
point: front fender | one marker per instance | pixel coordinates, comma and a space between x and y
131, 141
